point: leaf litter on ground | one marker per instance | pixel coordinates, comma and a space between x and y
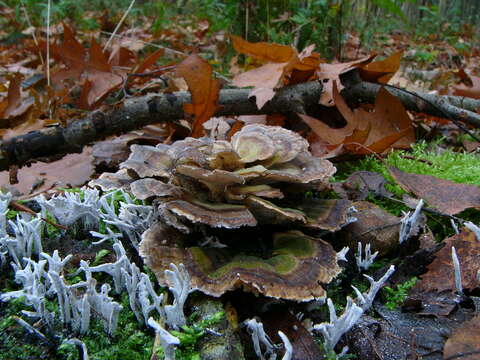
94, 71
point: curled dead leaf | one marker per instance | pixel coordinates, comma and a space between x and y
446, 196
381, 71
205, 90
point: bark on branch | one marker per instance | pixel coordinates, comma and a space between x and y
455, 107
137, 112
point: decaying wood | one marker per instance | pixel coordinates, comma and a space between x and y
454, 107
134, 113
137, 112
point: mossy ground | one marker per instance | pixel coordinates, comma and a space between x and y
135, 341
132, 340
425, 159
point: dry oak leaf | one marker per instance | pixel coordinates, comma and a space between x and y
72, 170
14, 105
204, 89
149, 61
464, 343
276, 53
306, 348
92, 64
263, 50
122, 57
374, 226
469, 91
285, 66
387, 126
264, 79
381, 71
440, 275
329, 73
391, 127
360, 184
446, 196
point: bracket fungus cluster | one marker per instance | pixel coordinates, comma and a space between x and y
255, 184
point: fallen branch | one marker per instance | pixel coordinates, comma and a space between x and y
138, 112
51, 143
456, 108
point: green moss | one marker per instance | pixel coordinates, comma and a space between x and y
428, 159
135, 341
395, 297
131, 340
99, 256
15, 343
12, 214
191, 334
425, 159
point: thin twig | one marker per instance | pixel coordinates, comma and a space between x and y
33, 195
118, 25
155, 72
409, 157
444, 113
35, 40
147, 43
49, 8
19, 207
176, 52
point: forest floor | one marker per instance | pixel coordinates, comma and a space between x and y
428, 308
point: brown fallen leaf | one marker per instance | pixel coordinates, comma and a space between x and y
440, 274
266, 76
204, 89
285, 67
464, 343
469, 91
100, 74
381, 71
73, 169
14, 105
387, 126
92, 64
149, 61
330, 73
446, 196
360, 184
383, 144
264, 79
303, 343
263, 50
388, 117
121, 56
335, 136
373, 226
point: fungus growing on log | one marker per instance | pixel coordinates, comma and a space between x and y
297, 266
203, 188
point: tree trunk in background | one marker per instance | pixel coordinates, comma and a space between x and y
411, 11
443, 8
